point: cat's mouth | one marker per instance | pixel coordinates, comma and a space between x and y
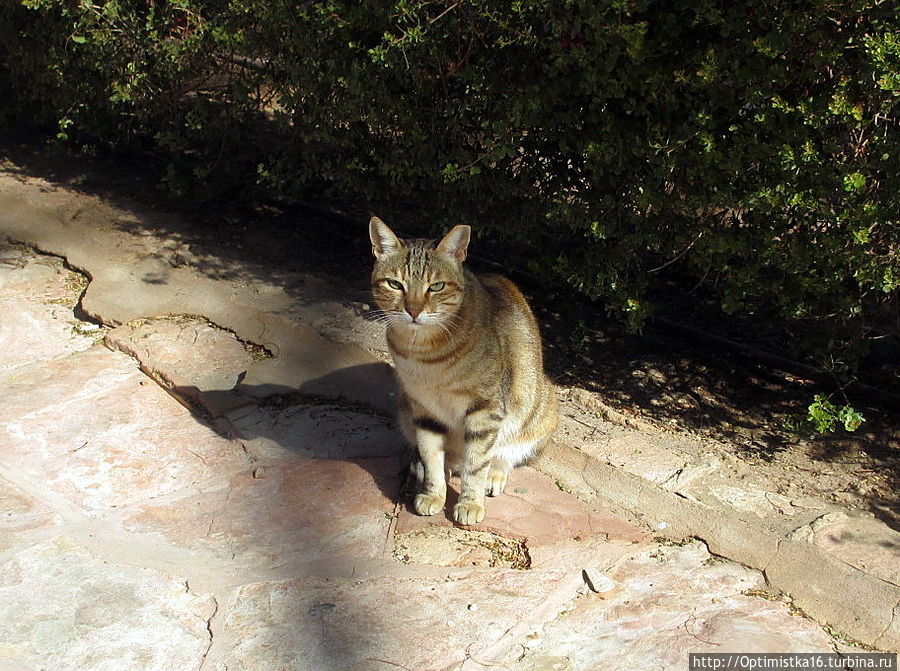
422, 320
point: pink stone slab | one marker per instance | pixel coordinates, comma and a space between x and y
40, 279
31, 332
533, 508
304, 511
379, 623
36, 318
63, 608
20, 514
189, 355
669, 602
92, 428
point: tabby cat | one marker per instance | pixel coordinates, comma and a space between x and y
473, 396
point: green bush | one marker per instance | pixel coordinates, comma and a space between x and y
751, 146
825, 415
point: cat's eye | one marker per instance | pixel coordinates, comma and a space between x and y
394, 284
437, 286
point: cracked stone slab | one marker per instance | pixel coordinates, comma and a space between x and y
36, 299
290, 425
857, 539
820, 584
305, 511
378, 623
535, 510
33, 332
62, 608
817, 582
22, 517
91, 428
130, 281
669, 602
42, 279
190, 356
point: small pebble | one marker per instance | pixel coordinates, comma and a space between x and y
533, 640
597, 581
473, 606
259, 473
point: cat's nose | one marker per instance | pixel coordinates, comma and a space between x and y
414, 311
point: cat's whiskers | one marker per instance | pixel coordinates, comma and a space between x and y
450, 322
379, 316
389, 317
453, 319
445, 327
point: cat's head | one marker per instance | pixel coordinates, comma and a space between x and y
418, 283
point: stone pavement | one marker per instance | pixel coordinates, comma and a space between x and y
178, 495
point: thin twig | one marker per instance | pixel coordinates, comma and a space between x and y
686, 250
446, 11
386, 661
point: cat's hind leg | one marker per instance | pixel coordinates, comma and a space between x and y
506, 458
497, 476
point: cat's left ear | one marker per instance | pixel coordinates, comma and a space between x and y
456, 242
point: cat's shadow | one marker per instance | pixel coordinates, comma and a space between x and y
346, 415
308, 492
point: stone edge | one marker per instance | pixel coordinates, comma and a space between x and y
854, 604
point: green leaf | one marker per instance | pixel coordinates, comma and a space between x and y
854, 182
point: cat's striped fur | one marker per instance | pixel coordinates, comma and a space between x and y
473, 396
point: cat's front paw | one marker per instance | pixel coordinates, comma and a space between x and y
428, 504
468, 512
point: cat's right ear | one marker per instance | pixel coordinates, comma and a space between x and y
383, 239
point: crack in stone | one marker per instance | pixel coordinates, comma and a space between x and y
765, 569
210, 632
890, 624
252, 458
78, 311
559, 602
258, 351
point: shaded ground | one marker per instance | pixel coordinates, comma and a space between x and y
747, 410
227, 451
744, 409
270, 535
